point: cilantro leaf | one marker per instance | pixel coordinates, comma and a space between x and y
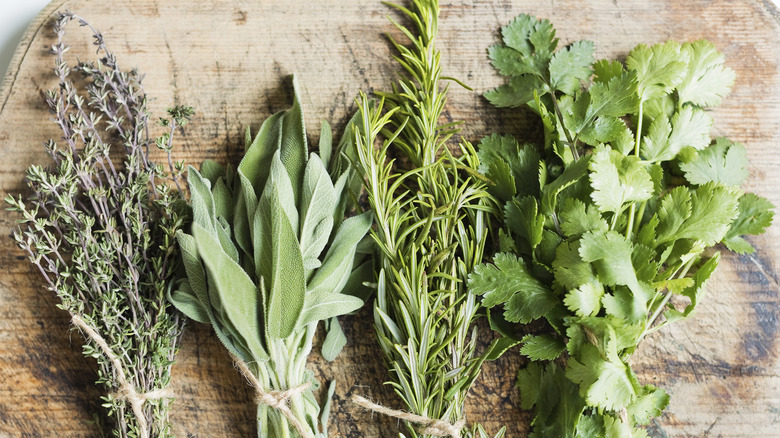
518, 92
507, 281
523, 219
617, 179
707, 80
556, 401
585, 300
703, 214
688, 127
724, 162
604, 382
755, 215
648, 405
570, 67
577, 218
660, 68
521, 161
542, 347
696, 290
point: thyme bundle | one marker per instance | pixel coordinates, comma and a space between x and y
431, 229
101, 231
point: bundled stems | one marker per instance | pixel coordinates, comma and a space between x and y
430, 230
101, 233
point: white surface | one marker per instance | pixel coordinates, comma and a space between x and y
15, 15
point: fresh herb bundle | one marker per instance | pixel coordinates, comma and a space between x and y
609, 224
269, 256
101, 232
431, 229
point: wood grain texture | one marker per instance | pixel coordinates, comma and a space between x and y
230, 59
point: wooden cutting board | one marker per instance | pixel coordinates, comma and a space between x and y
230, 59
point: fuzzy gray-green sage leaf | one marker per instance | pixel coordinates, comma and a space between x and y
268, 257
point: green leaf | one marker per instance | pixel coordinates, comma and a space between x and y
665, 139
235, 291
337, 265
187, 302
604, 70
558, 405
280, 269
585, 300
576, 218
334, 340
522, 162
573, 173
659, 68
724, 162
201, 200
326, 143
610, 253
293, 147
712, 209
254, 168
523, 219
617, 180
317, 204
695, 291
508, 281
604, 382
570, 270
542, 347
755, 215
570, 67
614, 98
323, 305
212, 171
650, 404
518, 92
707, 80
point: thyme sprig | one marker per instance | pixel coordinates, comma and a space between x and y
431, 225
101, 231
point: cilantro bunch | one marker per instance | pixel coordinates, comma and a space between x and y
609, 224
270, 255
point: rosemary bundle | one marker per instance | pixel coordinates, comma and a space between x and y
431, 230
101, 231
268, 257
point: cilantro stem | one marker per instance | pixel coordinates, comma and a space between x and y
632, 208
566, 132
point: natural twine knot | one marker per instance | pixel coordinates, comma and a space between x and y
126, 391
434, 427
276, 399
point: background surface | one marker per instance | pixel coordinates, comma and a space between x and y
230, 60
15, 15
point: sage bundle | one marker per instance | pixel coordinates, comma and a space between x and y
431, 229
268, 257
101, 231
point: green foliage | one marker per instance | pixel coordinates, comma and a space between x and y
630, 193
431, 209
270, 255
99, 224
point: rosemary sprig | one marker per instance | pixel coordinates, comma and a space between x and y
431, 229
101, 233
